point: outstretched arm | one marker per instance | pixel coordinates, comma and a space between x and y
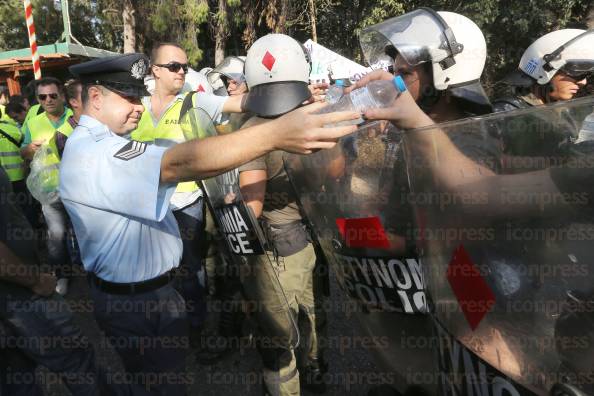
439, 154
299, 131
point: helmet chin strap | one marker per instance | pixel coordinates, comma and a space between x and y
429, 95
429, 98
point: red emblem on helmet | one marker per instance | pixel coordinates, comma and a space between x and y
268, 60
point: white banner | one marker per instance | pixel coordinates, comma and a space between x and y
327, 63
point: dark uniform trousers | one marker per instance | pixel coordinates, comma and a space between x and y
192, 281
40, 331
150, 332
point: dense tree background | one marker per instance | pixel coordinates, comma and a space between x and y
212, 29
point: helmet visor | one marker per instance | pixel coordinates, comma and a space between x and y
231, 67
579, 67
417, 36
576, 55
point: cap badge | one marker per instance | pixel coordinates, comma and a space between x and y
138, 69
268, 61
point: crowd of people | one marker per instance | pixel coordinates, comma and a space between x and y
103, 164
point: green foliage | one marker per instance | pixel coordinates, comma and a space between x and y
509, 26
381, 11
13, 30
162, 17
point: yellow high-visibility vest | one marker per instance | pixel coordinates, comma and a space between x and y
5, 117
10, 154
32, 112
53, 158
166, 133
41, 127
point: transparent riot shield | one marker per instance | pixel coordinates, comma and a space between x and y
245, 241
356, 198
504, 208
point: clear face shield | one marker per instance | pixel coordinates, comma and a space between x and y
231, 68
419, 36
574, 58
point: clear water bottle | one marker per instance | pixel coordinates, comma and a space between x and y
335, 92
587, 131
376, 94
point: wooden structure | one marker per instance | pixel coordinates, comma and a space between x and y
55, 58
16, 65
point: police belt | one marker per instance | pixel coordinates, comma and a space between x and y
131, 288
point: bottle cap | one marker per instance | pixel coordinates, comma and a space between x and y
399, 84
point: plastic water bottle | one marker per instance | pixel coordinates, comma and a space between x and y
335, 92
376, 94
587, 131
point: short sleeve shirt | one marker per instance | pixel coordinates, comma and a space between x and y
280, 202
111, 189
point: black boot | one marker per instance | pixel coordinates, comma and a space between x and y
312, 376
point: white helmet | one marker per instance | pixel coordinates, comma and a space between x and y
277, 73
231, 67
569, 50
205, 70
149, 83
197, 82
453, 44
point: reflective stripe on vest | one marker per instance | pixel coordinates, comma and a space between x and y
10, 155
166, 133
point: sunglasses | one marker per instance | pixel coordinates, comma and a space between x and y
43, 97
174, 67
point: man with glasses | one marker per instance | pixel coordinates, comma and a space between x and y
159, 125
38, 131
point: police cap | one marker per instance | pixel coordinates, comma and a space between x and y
123, 74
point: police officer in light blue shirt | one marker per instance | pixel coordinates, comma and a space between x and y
129, 239
117, 193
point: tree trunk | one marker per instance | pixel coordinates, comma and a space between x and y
129, 27
221, 32
312, 19
249, 33
283, 17
590, 17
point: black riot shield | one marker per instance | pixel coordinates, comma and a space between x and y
239, 227
505, 221
356, 198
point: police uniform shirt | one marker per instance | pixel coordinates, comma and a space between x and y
280, 203
111, 189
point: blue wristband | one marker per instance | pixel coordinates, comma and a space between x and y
399, 84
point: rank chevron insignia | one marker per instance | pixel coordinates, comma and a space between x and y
131, 150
